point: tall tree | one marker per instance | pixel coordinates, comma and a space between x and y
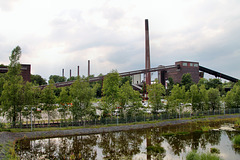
232, 98
176, 97
48, 99
37, 79
12, 89
155, 94
187, 81
57, 78
82, 94
214, 98
110, 90
64, 101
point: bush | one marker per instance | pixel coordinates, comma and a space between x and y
236, 140
193, 155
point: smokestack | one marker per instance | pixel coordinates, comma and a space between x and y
70, 73
147, 53
77, 70
88, 68
63, 72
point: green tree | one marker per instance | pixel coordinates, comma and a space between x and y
213, 98
232, 98
128, 98
110, 90
57, 78
48, 99
82, 94
169, 86
195, 98
176, 97
37, 79
187, 81
204, 97
155, 94
64, 101
11, 97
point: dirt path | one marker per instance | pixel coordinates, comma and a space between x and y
8, 137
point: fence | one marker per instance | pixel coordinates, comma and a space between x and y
128, 119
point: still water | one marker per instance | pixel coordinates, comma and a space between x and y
133, 144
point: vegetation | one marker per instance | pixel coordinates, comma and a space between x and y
193, 155
19, 99
236, 141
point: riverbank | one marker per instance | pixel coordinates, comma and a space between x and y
10, 138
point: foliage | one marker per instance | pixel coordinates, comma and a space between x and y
214, 98
193, 155
232, 98
110, 90
236, 141
48, 99
57, 78
81, 94
11, 98
215, 150
38, 80
169, 85
197, 96
64, 101
155, 149
155, 94
186, 81
176, 97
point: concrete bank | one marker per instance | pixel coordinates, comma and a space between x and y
8, 137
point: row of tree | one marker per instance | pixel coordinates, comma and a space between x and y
19, 99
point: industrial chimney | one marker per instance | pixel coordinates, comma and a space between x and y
147, 54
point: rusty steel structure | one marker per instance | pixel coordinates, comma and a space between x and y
123, 74
147, 54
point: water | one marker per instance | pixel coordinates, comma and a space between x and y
132, 144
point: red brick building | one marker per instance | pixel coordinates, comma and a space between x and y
25, 71
181, 68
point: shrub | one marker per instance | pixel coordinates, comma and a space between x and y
236, 141
193, 155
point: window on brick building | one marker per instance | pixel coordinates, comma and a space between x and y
184, 64
195, 65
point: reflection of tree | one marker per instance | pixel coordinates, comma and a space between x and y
120, 144
154, 140
193, 140
231, 135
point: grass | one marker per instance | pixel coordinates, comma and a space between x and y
193, 155
215, 150
108, 125
236, 141
206, 128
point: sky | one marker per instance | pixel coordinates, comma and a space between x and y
64, 34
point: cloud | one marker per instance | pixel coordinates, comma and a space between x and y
58, 34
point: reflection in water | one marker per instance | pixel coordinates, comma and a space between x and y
130, 144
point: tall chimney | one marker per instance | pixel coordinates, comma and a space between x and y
70, 73
78, 71
147, 53
88, 68
63, 72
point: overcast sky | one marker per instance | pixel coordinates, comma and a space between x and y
57, 34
